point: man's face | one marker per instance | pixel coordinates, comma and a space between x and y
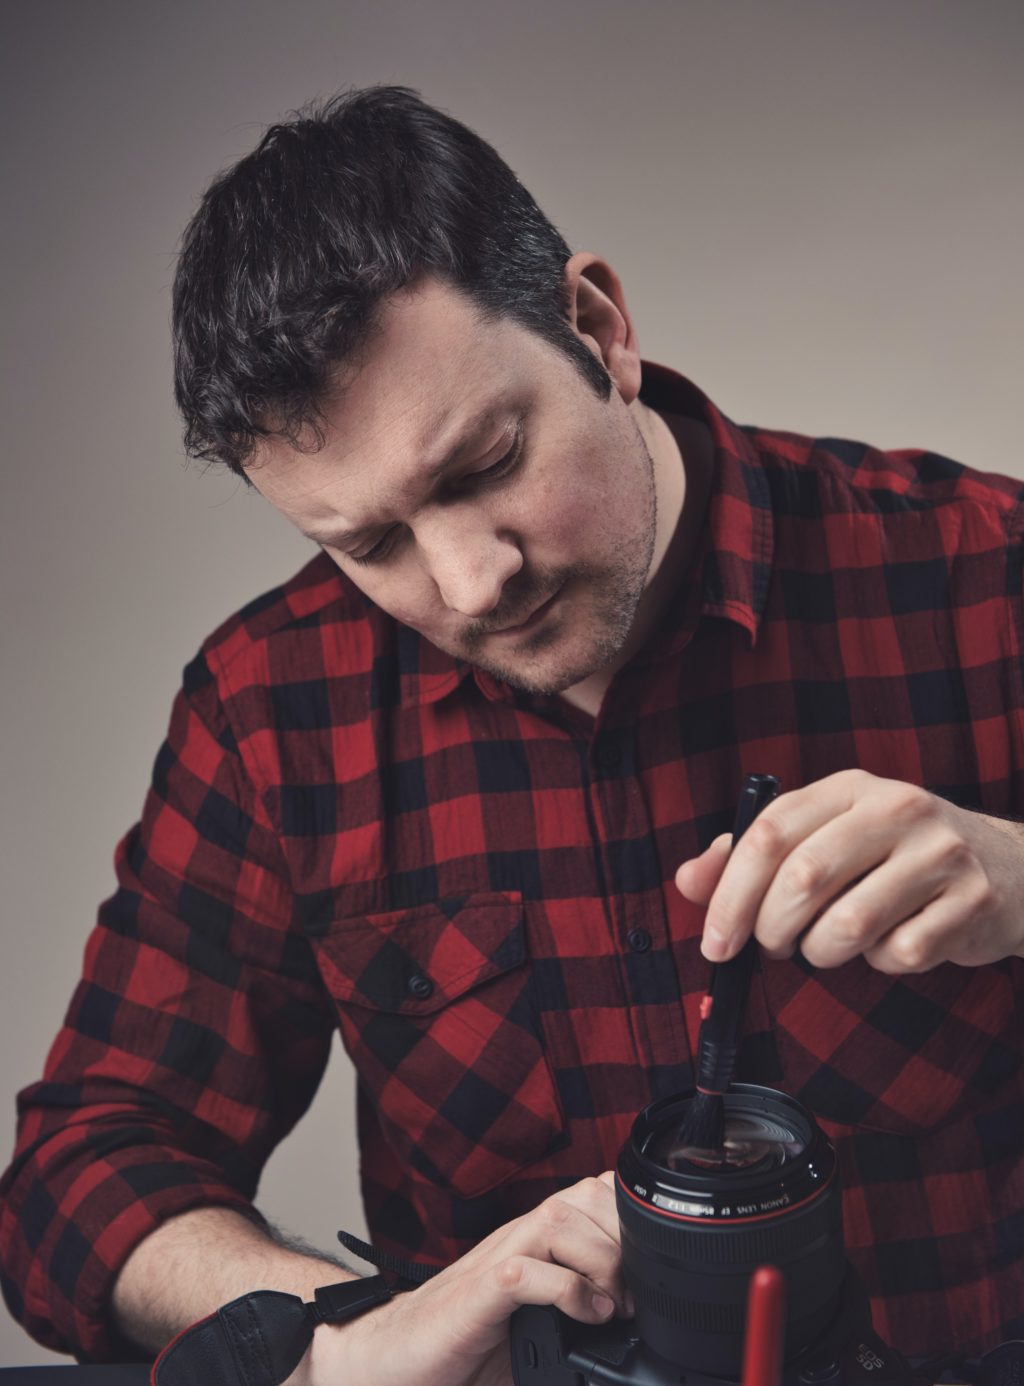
474, 486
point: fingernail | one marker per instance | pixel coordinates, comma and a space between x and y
714, 946
602, 1305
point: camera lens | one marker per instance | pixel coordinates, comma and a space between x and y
751, 1139
696, 1223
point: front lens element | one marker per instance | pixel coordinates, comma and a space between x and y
751, 1138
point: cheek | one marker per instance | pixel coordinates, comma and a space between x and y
564, 513
558, 523
587, 514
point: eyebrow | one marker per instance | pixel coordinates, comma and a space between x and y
484, 419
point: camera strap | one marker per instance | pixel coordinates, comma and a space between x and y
405, 1272
261, 1337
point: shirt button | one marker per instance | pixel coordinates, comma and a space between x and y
419, 986
639, 940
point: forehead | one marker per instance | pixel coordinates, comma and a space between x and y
432, 368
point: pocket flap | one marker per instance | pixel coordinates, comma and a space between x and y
414, 961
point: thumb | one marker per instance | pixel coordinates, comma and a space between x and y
698, 877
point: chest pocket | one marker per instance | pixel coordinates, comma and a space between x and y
904, 1054
435, 1011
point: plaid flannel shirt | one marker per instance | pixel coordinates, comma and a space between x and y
347, 829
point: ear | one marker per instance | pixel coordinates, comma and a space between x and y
599, 317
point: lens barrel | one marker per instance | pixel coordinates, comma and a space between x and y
696, 1224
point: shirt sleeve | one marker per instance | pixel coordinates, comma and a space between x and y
194, 1041
1015, 617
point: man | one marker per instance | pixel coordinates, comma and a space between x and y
461, 790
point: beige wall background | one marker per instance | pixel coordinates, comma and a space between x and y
815, 208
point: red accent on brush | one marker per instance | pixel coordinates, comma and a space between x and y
705, 1006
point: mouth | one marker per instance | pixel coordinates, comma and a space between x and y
533, 620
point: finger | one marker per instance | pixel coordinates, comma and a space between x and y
833, 873
697, 878
934, 865
628, 1306
577, 1228
525, 1280
595, 1199
594, 1195
586, 1241
753, 862
859, 918
945, 930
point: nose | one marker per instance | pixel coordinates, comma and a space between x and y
469, 560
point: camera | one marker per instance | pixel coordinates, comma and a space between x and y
695, 1224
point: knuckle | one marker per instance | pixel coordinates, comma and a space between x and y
766, 834
984, 898
882, 961
778, 952
805, 874
853, 779
554, 1211
953, 853
910, 954
909, 803
510, 1273
812, 951
852, 924
976, 898
592, 1189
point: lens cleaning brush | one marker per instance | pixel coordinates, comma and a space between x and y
722, 1010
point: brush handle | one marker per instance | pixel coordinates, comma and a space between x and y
726, 1002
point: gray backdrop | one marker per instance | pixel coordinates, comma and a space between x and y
815, 208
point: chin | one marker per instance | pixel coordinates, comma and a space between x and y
530, 671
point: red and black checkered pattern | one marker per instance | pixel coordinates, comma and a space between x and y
349, 830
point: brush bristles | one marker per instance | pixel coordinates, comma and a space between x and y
703, 1126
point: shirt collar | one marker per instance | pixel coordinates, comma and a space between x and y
734, 560
735, 557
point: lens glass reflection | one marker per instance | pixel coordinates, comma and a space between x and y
751, 1138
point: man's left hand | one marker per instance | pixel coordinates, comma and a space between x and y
855, 864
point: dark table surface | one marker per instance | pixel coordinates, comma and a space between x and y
84, 1376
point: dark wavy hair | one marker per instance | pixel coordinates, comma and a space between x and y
291, 251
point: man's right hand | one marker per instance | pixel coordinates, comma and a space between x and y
454, 1330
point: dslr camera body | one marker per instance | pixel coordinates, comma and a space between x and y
695, 1225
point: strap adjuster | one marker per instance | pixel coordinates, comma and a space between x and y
347, 1298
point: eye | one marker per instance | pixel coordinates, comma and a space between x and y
379, 551
494, 472
504, 464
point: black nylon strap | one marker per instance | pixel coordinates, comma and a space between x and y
260, 1338
412, 1272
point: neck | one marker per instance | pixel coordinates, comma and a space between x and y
682, 453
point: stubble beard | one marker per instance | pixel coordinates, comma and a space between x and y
616, 588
